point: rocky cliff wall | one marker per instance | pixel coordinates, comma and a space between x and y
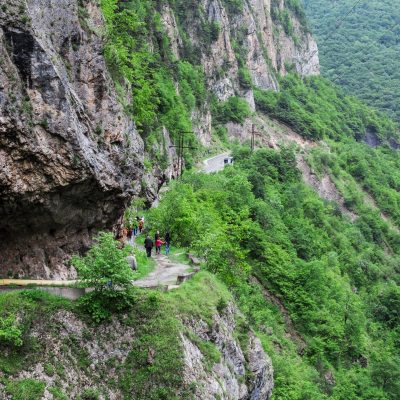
244, 371
69, 157
132, 356
245, 39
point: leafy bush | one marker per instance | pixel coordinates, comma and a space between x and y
106, 270
387, 308
245, 78
10, 333
233, 6
90, 394
235, 109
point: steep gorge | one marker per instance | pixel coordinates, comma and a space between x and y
71, 157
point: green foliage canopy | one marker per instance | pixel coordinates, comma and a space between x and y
362, 54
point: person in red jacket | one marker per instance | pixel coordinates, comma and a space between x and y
159, 243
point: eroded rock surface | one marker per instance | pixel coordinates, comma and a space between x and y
248, 40
241, 373
69, 158
74, 356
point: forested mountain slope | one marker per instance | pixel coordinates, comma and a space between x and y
323, 269
299, 238
360, 51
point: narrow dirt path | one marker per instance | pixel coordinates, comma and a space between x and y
166, 273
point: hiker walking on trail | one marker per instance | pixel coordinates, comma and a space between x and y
167, 241
135, 226
129, 235
159, 243
157, 236
141, 223
148, 245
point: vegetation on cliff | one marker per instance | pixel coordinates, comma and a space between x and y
316, 109
362, 52
336, 279
138, 353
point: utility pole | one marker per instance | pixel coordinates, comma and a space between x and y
180, 147
253, 137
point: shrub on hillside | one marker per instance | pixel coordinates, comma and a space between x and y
235, 109
10, 333
106, 270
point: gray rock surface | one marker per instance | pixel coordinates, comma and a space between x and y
227, 378
267, 51
69, 157
132, 262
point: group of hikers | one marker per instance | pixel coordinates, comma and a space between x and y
158, 242
135, 228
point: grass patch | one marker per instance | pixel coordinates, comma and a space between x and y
153, 369
26, 389
179, 255
200, 296
26, 307
57, 394
145, 264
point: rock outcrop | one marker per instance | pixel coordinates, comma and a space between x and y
241, 373
75, 358
69, 157
249, 39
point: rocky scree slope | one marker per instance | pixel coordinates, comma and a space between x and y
69, 157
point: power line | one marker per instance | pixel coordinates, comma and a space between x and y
180, 147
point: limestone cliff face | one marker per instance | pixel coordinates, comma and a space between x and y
86, 357
244, 372
69, 157
249, 39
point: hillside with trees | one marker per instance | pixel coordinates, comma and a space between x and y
290, 254
360, 51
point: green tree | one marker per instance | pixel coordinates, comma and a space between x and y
105, 263
106, 270
10, 332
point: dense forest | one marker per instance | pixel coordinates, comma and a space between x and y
360, 48
260, 228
